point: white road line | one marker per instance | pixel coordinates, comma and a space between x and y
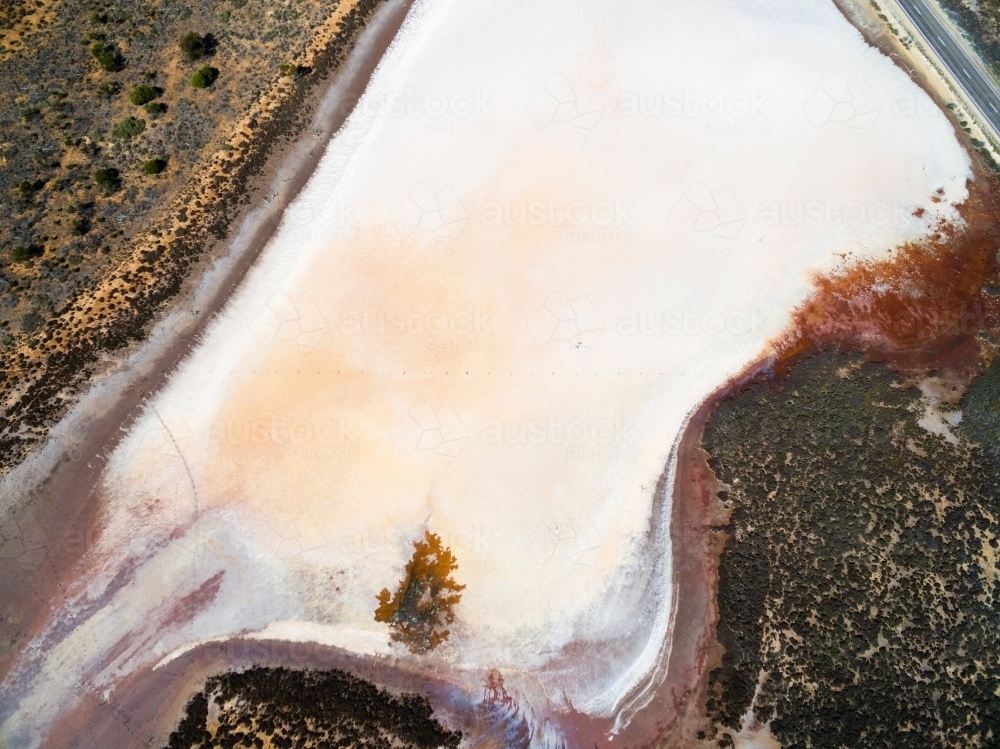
967, 73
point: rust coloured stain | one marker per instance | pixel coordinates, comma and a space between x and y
921, 309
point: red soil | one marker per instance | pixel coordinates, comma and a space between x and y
921, 309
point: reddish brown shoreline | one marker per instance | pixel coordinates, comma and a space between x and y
930, 320
146, 705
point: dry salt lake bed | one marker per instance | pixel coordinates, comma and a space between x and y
547, 234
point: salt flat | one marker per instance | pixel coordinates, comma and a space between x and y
547, 234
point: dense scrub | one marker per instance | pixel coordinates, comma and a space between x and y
74, 81
282, 708
858, 595
981, 23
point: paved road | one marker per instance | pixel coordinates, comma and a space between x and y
982, 90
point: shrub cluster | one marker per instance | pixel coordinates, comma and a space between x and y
140, 95
128, 128
107, 177
154, 166
25, 252
193, 46
205, 77
107, 56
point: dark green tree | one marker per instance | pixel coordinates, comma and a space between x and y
205, 77
192, 46
108, 178
140, 95
154, 166
107, 56
128, 128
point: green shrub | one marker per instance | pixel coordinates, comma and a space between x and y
205, 77
31, 322
30, 113
27, 188
154, 166
109, 89
140, 95
128, 128
80, 227
155, 108
109, 58
107, 177
192, 45
25, 252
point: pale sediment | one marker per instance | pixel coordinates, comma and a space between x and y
50, 495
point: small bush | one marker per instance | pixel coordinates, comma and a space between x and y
128, 128
25, 252
156, 108
27, 188
109, 58
140, 95
107, 177
154, 166
205, 77
80, 227
193, 46
109, 89
31, 322
30, 113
